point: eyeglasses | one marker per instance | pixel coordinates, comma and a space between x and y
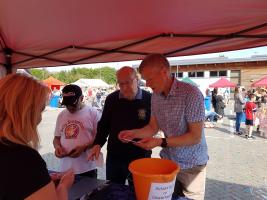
128, 82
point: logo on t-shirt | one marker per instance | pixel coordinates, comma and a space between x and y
142, 114
71, 129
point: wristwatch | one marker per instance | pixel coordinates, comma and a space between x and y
164, 142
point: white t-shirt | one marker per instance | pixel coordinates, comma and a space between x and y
77, 129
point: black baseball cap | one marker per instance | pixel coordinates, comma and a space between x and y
71, 94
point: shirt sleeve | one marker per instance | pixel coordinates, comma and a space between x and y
153, 107
241, 100
103, 126
57, 128
95, 118
195, 111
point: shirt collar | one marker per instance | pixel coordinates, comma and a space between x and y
138, 95
173, 88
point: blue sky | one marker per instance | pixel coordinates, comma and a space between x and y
230, 54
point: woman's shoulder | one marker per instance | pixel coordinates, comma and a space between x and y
10, 150
23, 164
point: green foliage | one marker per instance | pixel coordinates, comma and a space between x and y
40, 74
107, 74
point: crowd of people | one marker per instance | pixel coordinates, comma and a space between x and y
129, 113
250, 107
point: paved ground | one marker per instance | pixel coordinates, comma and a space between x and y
237, 168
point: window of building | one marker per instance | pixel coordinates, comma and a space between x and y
213, 73
218, 73
196, 74
222, 73
180, 74
235, 73
200, 74
235, 76
191, 74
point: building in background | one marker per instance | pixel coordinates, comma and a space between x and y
242, 71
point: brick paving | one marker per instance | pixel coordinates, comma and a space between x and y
237, 169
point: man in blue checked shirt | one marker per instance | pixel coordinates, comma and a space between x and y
177, 108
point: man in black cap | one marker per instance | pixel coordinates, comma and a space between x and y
75, 132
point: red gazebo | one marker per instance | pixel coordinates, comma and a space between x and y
57, 33
222, 83
260, 83
53, 83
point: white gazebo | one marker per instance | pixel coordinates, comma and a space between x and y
91, 83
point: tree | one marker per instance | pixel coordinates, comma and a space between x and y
40, 74
107, 74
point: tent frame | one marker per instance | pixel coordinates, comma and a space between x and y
8, 52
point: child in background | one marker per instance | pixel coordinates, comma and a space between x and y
250, 109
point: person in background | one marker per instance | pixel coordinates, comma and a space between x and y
220, 104
208, 100
75, 132
126, 108
23, 172
214, 98
250, 109
212, 116
177, 108
226, 95
238, 109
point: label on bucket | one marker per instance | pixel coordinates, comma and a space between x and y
161, 191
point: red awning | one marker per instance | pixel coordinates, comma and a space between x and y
222, 83
55, 32
51, 81
260, 83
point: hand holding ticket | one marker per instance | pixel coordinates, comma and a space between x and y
135, 140
126, 135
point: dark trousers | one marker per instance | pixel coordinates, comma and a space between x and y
117, 170
90, 174
238, 121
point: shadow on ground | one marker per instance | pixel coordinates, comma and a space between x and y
223, 130
220, 190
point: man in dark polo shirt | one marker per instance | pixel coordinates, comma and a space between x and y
127, 108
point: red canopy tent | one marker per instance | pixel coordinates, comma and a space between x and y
55, 33
222, 83
260, 83
53, 83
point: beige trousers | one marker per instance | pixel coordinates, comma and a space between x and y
191, 183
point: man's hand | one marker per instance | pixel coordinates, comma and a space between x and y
76, 152
55, 177
94, 152
60, 152
67, 179
148, 143
126, 135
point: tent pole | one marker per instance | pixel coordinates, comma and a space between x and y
8, 65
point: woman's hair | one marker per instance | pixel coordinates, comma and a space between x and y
251, 95
236, 90
22, 102
215, 90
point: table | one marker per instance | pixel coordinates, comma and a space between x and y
94, 189
84, 187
